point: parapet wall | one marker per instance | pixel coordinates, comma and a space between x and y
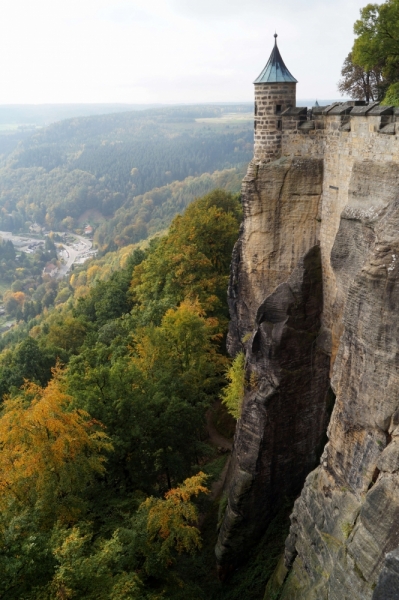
343, 135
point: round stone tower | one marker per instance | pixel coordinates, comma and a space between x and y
275, 90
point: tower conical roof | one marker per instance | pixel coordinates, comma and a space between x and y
275, 71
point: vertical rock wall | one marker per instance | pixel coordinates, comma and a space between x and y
347, 517
314, 294
276, 285
281, 203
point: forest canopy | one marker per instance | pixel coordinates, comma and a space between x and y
104, 465
87, 168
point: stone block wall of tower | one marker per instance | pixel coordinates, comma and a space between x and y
271, 99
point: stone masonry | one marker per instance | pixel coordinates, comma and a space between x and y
341, 140
271, 100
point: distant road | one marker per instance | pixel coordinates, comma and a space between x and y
76, 252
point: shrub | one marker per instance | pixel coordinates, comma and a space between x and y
233, 394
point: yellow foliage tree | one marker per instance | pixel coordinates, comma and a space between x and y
49, 453
233, 394
81, 279
185, 342
171, 522
81, 291
92, 273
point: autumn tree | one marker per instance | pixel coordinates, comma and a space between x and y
49, 456
171, 524
49, 452
358, 83
136, 559
13, 302
191, 261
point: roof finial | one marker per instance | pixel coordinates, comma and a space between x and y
275, 38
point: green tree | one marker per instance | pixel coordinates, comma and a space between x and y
135, 558
67, 333
181, 369
377, 42
392, 95
28, 361
153, 396
109, 300
191, 261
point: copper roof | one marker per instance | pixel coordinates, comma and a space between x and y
275, 71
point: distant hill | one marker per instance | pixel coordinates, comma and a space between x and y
18, 121
145, 215
102, 163
41, 115
45, 114
322, 102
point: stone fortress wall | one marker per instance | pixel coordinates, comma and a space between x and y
341, 134
321, 203
358, 237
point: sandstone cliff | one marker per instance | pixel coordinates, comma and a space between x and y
347, 517
314, 299
278, 286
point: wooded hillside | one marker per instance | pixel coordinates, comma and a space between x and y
102, 163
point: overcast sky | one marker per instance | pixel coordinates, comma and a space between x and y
167, 51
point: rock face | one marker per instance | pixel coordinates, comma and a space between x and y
314, 300
281, 202
388, 582
347, 517
285, 412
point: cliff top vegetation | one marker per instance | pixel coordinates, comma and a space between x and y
371, 70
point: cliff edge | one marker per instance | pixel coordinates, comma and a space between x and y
314, 298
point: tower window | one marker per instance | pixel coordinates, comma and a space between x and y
279, 124
256, 108
255, 125
278, 109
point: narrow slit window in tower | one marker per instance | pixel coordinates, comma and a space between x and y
278, 109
